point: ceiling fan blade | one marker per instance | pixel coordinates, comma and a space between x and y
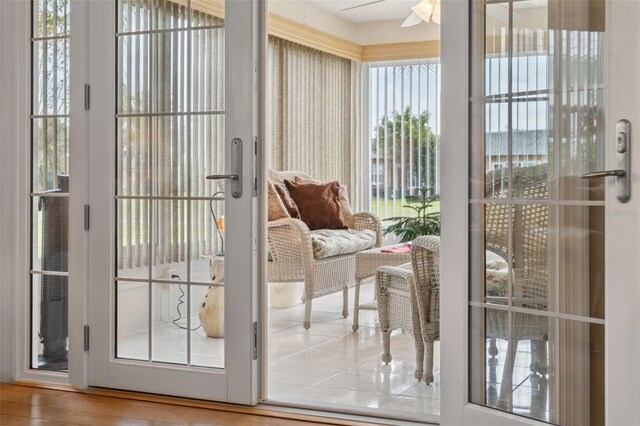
361, 5
411, 20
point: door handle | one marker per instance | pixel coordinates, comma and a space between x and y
220, 177
603, 174
236, 175
623, 162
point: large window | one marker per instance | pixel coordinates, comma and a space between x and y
49, 184
404, 133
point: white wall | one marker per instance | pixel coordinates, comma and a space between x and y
363, 33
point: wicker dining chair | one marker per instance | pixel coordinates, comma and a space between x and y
292, 258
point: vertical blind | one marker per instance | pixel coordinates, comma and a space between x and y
404, 104
170, 131
310, 112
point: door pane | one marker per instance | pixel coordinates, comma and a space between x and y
132, 327
170, 219
537, 231
49, 184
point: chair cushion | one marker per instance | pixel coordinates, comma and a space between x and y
347, 211
318, 204
497, 278
276, 207
335, 242
289, 204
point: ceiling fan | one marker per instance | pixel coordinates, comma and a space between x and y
426, 10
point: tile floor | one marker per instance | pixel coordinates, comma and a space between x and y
327, 366
331, 366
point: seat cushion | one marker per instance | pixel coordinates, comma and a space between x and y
335, 242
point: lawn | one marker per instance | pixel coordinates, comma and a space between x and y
378, 206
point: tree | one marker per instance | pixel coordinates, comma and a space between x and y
409, 135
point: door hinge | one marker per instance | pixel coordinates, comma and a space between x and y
86, 217
255, 340
87, 96
255, 166
86, 338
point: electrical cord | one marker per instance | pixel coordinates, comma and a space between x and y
182, 293
180, 302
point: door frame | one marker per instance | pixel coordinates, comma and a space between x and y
238, 381
15, 229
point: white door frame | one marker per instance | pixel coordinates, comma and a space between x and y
622, 388
15, 32
15, 226
238, 382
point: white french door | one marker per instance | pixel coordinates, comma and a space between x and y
550, 288
173, 251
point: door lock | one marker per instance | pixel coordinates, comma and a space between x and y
623, 163
236, 175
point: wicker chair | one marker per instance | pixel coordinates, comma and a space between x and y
292, 259
425, 257
529, 265
398, 309
409, 299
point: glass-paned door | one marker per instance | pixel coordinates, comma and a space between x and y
182, 262
549, 319
50, 154
536, 285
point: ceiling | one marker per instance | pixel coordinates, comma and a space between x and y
382, 11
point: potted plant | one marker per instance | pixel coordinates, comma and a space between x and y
424, 221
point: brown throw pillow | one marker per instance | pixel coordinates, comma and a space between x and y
318, 204
276, 207
347, 211
289, 204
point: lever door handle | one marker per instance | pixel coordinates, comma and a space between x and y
623, 162
236, 169
603, 174
219, 177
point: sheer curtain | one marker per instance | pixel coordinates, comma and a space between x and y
310, 112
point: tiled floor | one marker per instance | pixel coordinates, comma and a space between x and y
328, 366
331, 366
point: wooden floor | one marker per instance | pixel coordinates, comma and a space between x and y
28, 405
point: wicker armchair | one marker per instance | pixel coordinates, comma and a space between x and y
292, 258
528, 262
398, 309
409, 299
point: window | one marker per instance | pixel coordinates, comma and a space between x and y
404, 132
49, 184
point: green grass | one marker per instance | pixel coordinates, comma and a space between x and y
378, 208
